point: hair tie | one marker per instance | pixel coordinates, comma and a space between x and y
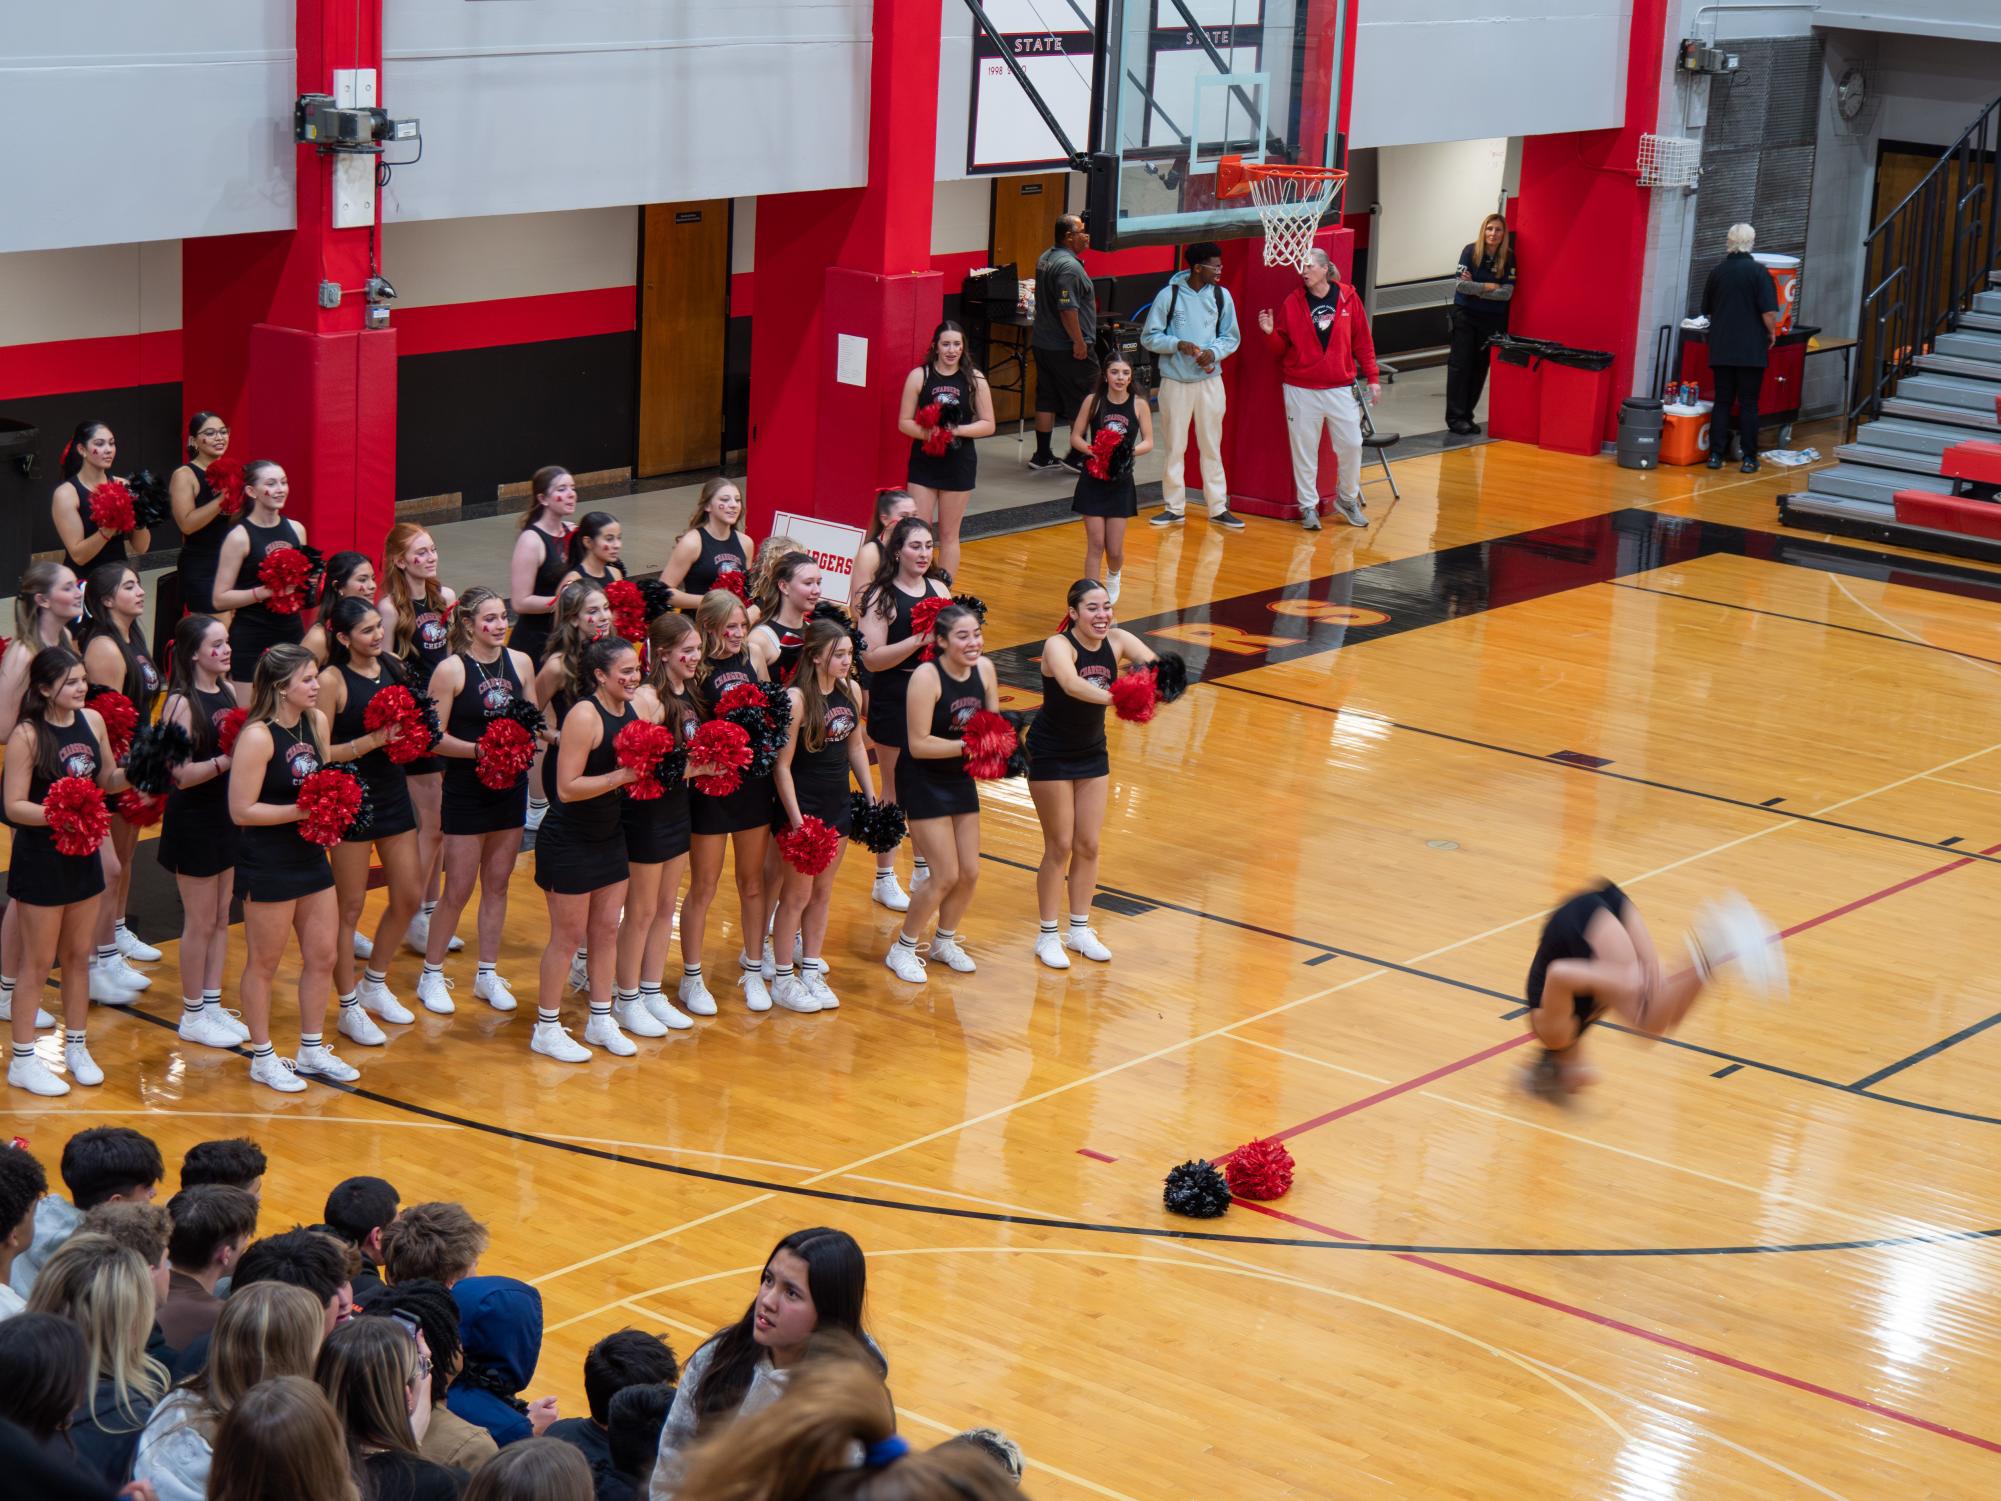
881, 1455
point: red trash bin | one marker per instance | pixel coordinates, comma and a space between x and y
1574, 408
1514, 399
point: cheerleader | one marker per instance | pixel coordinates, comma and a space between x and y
741, 820
359, 666
414, 612
937, 792
1069, 769
943, 483
261, 530
56, 894
713, 545
198, 512
891, 506
657, 836
583, 615
595, 547
821, 750
904, 575
785, 597
580, 858
349, 575
283, 879
87, 461
769, 553
197, 842
115, 656
541, 557
1107, 504
475, 685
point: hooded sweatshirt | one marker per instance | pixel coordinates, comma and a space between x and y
500, 1323
1304, 361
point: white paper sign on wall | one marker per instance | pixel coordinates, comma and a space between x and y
832, 545
851, 360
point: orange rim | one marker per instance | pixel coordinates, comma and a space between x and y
1234, 175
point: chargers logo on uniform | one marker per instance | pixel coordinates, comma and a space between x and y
431, 633
840, 723
495, 695
302, 761
79, 761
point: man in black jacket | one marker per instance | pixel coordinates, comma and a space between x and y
1742, 306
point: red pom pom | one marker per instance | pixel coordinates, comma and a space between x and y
505, 752
120, 718
742, 696
810, 848
989, 741
721, 745
225, 478
628, 611
923, 617
140, 810
287, 573
640, 747
78, 819
1104, 444
396, 706
111, 507
733, 582
1134, 695
1260, 1169
328, 801
228, 725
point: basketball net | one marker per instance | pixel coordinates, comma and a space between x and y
1290, 202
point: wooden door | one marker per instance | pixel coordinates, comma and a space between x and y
684, 286
1897, 173
1022, 226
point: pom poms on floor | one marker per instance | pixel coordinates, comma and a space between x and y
724, 748
120, 718
78, 819
1260, 1169
990, 742
505, 752
396, 707
810, 848
640, 747
876, 827
1196, 1189
333, 803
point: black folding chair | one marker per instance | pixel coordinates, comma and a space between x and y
1375, 440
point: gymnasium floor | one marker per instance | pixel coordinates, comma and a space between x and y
1757, 1261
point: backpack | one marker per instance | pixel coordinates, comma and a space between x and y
1174, 301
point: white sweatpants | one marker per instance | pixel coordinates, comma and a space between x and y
1306, 411
1200, 404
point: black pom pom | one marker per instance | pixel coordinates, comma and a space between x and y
974, 603
522, 713
364, 813
656, 596
826, 609
156, 750
1197, 1189
1017, 764
1170, 676
428, 708
877, 827
150, 505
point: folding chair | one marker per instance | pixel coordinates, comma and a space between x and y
1378, 441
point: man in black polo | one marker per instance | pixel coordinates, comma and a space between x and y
1066, 328
1742, 306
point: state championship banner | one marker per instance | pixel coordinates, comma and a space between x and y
832, 545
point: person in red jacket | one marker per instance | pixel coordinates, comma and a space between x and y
1320, 336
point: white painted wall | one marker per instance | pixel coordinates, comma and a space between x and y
1433, 198
439, 261
1956, 20
95, 292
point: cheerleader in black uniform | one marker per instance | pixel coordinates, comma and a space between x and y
541, 558
582, 616
414, 612
595, 547
284, 880
115, 656
197, 841
1069, 769
714, 544
483, 827
943, 483
1107, 504
198, 512
891, 506
657, 836
254, 627
580, 859
790, 590
87, 462
359, 667
770, 553
349, 575
904, 575
741, 820
822, 749
57, 894
938, 794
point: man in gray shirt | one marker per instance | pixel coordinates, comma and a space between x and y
1066, 326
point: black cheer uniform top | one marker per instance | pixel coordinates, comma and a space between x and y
715, 560
113, 550
255, 629
531, 632
38, 874
201, 550
275, 862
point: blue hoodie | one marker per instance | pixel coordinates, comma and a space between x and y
500, 1322
1207, 319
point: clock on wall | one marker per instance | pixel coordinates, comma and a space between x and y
1851, 93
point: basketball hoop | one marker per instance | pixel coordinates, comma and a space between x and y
1290, 202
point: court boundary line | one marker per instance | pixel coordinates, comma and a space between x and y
1827, 625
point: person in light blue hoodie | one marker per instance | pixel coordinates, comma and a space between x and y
1192, 327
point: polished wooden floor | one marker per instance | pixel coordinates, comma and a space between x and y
1756, 1262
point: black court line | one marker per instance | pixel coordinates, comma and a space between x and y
1827, 625
1862, 1084
1726, 1071
1092, 1227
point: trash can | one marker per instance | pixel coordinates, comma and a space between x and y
1639, 433
1576, 397
1514, 391
17, 507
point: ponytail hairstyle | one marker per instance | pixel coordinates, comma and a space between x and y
877, 598
539, 485
345, 617
712, 617
341, 569
1102, 392
1077, 592
567, 640
73, 450
181, 680
951, 615
821, 637
588, 531
46, 672
395, 548
886, 501
42, 578
252, 473
106, 579
769, 554
778, 571
711, 488
195, 425
596, 658
464, 613
275, 669
663, 636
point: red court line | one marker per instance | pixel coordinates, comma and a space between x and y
1094, 1156
1888, 891
1404, 1088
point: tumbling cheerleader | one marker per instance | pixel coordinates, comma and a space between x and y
57, 894
282, 877
595, 547
657, 836
580, 859
1107, 504
198, 512
478, 683
891, 506
582, 616
349, 575
87, 462
115, 656
714, 544
937, 792
785, 598
262, 529
414, 612
741, 820
943, 483
197, 840
822, 748
1595, 955
541, 558
905, 575
1069, 769
359, 667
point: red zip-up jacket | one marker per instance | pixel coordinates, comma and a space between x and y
1297, 344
